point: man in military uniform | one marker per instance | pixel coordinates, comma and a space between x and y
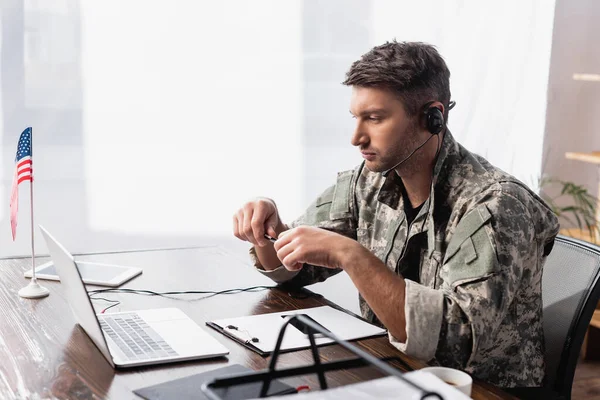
445, 249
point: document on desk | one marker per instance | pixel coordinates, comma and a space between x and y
259, 332
389, 388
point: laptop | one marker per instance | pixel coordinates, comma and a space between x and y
134, 338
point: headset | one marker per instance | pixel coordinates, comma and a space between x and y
434, 122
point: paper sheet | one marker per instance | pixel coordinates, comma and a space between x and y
266, 328
390, 388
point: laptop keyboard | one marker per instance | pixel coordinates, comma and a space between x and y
136, 339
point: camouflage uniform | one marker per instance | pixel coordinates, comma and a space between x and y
479, 241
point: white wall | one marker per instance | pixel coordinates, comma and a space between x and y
155, 120
499, 56
183, 111
196, 108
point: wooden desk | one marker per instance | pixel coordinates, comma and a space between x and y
45, 355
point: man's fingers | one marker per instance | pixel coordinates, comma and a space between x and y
236, 229
283, 251
291, 263
248, 212
259, 220
272, 221
271, 232
291, 255
254, 219
238, 222
284, 238
285, 233
258, 230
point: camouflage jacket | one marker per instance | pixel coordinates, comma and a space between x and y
479, 241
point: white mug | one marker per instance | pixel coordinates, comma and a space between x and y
453, 377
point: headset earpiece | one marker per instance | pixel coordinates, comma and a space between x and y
434, 120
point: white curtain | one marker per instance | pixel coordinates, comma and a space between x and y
189, 112
499, 56
155, 120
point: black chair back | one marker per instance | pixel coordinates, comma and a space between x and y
570, 292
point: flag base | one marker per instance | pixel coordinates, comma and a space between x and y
33, 291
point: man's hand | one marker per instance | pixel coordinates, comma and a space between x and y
315, 246
254, 219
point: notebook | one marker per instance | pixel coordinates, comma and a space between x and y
190, 387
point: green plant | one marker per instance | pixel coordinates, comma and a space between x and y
580, 211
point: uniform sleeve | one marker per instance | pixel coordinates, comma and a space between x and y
334, 210
493, 247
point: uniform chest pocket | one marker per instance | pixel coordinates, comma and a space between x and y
321, 210
471, 253
333, 204
341, 197
465, 252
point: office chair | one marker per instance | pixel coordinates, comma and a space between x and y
570, 293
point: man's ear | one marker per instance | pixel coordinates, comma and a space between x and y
439, 105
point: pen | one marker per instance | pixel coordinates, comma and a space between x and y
270, 239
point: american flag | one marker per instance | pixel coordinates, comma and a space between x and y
23, 172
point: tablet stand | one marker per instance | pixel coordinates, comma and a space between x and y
214, 388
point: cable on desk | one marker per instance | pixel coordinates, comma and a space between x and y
170, 294
103, 299
115, 302
109, 307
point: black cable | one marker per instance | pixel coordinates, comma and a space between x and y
102, 298
435, 158
170, 295
115, 302
386, 172
109, 307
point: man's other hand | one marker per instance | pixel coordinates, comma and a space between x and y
254, 219
315, 246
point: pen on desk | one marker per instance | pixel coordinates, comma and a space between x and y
270, 239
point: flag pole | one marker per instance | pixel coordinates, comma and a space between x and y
34, 290
33, 278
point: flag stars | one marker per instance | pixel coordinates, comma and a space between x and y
24, 145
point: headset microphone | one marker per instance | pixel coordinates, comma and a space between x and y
434, 122
386, 172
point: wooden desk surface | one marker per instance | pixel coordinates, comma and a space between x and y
45, 355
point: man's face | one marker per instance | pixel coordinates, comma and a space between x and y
384, 132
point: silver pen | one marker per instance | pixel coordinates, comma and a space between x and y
270, 238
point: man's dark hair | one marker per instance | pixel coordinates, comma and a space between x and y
414, 71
